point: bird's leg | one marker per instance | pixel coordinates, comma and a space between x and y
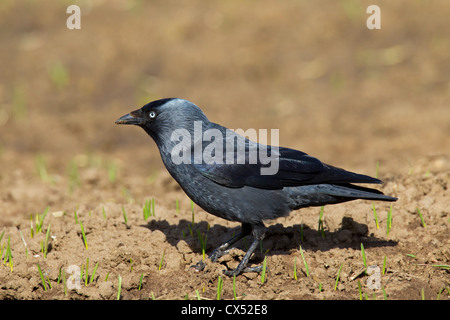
224, 248
258, 234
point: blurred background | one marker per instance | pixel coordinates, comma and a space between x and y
351, 96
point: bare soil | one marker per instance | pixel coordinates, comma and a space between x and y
366, 100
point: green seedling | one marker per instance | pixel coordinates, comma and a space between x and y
40, 220
87, 272
389, 220
295, 268
83, 234
107, 276
140, 281
360, 290
75, 216
24, 243
104, 213
146, 209
125, 219
337, 277
320, 228
219, 287
384, 265
202, 240
421, 218
161, 261
263, 272
384, 293
91, 279
375, 215
364, 258
120, 288
8, 255
64, 282
46, 241
42, 277
177, 206
304, 262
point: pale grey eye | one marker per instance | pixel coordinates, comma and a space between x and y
152, 114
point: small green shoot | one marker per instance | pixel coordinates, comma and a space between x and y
360, 290
125, 219
384, 265
91, 279
104, 213
364, 258
375, 215
83, 234
140, 281
263, 272
64, 282
421, 218
46, 242
202, 240
219, 287
8, 255
177, 206
42, 277
120, 288
87, 272
161, 261
320, 228
40, 220
338, 276
24, 243
146, 209
295, 268
304, 261
389, 220
75, 216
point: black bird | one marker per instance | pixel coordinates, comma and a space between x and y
215, 168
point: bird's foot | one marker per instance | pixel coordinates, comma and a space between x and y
199, 266
238, 270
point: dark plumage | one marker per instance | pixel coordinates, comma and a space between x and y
240, 192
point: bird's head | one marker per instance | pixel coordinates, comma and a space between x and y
161, 117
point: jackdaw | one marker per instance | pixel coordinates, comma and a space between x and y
235, 178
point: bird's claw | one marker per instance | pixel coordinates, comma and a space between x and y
236, 271
199, 266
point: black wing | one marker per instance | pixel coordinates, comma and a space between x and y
295, 168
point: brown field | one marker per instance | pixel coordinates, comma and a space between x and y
366, 100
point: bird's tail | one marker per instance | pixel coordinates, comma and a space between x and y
350, 191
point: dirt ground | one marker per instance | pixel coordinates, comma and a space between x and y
366, 100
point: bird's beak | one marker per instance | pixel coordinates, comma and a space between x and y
131, 118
